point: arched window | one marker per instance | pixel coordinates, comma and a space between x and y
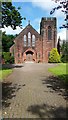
25, 41
49, 33
33, 40
29, 39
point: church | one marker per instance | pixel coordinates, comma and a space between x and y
31, 46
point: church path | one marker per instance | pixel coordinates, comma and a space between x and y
32, 92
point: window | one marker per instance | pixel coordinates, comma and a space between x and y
25, 41
29, 39
49, 33
33, 40
12, 53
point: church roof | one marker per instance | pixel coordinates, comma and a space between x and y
27, 29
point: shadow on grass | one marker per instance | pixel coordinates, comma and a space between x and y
64, 77
8, 92
56, 84
46, 111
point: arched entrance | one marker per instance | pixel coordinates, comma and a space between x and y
29, 56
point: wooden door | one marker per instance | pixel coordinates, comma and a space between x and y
29, 57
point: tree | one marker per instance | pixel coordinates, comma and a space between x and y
63, 5
10, 15
64, 51
58, 45
54, 56
7, 57
7, 42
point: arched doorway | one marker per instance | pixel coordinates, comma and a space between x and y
29, 56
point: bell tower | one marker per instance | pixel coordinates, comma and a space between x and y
48, 31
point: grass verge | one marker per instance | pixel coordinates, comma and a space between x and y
60, 71
4, 73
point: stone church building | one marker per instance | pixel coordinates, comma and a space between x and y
29, 45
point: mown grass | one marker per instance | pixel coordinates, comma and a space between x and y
4, 73
61, 71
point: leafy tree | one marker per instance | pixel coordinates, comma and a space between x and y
63, 5
7, 42
58, 45
7, 57
54, 56
64, 51
10, 15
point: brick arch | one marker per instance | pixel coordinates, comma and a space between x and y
33, 53
30, 49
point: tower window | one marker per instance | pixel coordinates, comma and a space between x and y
49, 33
33, 40
25, 41
29, 39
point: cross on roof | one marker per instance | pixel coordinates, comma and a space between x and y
28, 22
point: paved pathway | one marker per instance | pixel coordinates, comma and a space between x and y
30, 92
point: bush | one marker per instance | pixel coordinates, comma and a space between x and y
12, 59
64, 58
64, 51
7, 57
54, 56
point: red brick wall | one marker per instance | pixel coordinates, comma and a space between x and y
48, 44
42, 45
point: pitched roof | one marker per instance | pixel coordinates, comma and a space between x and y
25, 31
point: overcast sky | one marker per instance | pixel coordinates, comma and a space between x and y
34, 11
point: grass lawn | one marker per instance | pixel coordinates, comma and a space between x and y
4, 73
60, 71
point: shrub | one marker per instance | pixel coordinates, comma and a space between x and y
54, 56
64, 51
7, 57
12, 59
64, 58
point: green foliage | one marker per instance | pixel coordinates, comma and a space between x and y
61, 71
63, 6
12, 59
64, 58
64, 50
58, 45
7, 57
10, 15
7, 42
54, 56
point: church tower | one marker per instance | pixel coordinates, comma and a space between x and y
48, 31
